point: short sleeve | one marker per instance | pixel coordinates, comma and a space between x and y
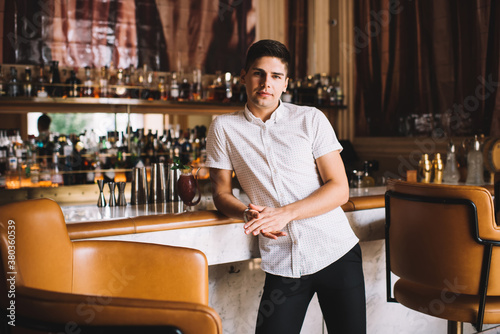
217, 152
324, 138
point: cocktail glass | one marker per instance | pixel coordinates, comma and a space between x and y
187, 185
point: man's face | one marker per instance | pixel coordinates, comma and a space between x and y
265, 81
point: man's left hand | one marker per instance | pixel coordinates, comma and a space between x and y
269, 222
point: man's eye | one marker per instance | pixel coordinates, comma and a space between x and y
257, 73
276, 76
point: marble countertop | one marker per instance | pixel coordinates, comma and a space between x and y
86, 212
203, 229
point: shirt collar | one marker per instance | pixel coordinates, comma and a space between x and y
276, 116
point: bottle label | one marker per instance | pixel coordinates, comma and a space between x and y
12, 163
174, 93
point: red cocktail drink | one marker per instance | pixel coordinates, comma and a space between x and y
187, 186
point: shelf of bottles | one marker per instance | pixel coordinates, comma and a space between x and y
144, 90
86, 158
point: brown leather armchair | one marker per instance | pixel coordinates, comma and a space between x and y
441, 241
97, 286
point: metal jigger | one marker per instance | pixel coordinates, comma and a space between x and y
101, 202
112, 200
122, 201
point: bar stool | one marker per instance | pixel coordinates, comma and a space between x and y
96, 286
442, 242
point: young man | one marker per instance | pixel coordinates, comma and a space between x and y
287, 160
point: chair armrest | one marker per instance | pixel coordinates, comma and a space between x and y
138, 270
86, 310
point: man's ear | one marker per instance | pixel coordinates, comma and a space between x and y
242, 76
286, 85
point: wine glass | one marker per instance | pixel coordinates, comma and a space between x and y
187, 185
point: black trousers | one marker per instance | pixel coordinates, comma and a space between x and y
341, 294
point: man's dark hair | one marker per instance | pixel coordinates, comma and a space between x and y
267, 48
44, 122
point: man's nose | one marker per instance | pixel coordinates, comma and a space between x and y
265, 80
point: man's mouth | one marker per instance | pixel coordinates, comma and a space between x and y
264, 94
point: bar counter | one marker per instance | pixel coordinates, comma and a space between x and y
235, 277
219, 237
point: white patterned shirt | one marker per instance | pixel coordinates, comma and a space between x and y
275, 165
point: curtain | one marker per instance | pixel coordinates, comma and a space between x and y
166, 35
297, 38
427, 67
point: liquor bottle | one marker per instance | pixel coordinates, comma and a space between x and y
88, 84
174, 88
162, 89
367, 180
41, 83
120, 90
451, 174
127, 81
176, 143
55, 88
307, 92
149, 147
45, 177
169, 145
27, 83
131, 81
56, 178
3, 166
229, 86
185, 93
475, 166
186, 152
87, 167
104, 83
437, 167
162, 152
195, 142
339, 98
73, 85
219, 88
145, 83
197, 87
13, 89
425, 169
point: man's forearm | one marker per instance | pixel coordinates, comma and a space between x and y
326, 198
229, 205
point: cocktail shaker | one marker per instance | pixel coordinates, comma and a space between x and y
139, 194
157, 189
173, 176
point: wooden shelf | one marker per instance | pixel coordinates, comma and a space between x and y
118, 105
112, 105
